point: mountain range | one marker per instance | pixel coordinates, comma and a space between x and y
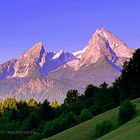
43, 75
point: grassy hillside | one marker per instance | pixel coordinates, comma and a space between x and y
85, 131
128, 131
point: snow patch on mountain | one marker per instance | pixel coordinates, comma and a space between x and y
36, 62
78, 54
57, 55
103, 43
40, 74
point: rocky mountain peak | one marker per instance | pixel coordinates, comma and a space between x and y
7, 69
99, 30
104, 43
29, 63
39, 73
37, 46
35, 52
36, 62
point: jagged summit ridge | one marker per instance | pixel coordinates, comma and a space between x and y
35, 52
29, 63
37, 47
99, 30
119, 47
37, 62
40, 74
104, 43
7, 69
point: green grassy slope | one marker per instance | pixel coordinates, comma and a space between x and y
85, 131
128, 131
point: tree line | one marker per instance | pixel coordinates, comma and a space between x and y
41, 120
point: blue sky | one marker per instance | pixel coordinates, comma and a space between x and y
64, 24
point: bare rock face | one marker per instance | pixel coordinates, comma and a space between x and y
101, 60
104, 43
30, 62
25, 78
43, 75
36, 62
43, 88
7, 69
37, 88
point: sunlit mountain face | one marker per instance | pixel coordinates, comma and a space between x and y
40, 74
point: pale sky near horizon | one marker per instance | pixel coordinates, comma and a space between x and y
64, 24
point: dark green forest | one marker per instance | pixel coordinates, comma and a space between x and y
32, 120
